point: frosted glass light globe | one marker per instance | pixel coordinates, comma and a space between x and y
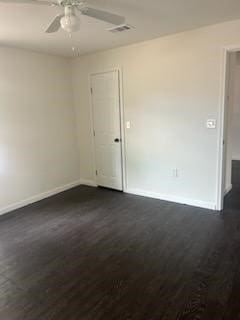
70, 23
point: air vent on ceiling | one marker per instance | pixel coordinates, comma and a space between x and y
121, 28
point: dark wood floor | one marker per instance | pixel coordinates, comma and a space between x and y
95, 254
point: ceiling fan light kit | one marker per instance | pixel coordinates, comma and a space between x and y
70, 22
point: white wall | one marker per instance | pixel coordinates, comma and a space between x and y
236, 113
171, 86
38, 148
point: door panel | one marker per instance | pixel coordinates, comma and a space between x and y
107, 127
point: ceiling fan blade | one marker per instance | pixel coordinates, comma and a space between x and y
55, 25
37, 2
102, 15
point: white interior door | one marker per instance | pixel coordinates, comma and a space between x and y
107, 129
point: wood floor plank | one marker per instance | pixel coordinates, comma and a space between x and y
96, 254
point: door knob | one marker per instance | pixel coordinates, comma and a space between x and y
116, 140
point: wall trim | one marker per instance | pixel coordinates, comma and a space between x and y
89, 183
228, 189
220, 190
38, 197
170, 198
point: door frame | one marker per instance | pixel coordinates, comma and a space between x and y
221, 156
122, 124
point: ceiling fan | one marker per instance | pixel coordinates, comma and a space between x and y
69, 20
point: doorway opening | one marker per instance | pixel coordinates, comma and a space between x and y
230, 197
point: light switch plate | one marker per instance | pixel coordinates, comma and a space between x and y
128, 124
211, 123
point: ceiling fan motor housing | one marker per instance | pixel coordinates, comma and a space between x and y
65, 3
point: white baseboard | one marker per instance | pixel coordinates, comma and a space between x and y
228, 189
38, 197
89, 183
139, 192
190, 202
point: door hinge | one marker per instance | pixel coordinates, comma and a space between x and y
96, 172
91, 90
94, 134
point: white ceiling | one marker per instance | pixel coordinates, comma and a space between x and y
23, 25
